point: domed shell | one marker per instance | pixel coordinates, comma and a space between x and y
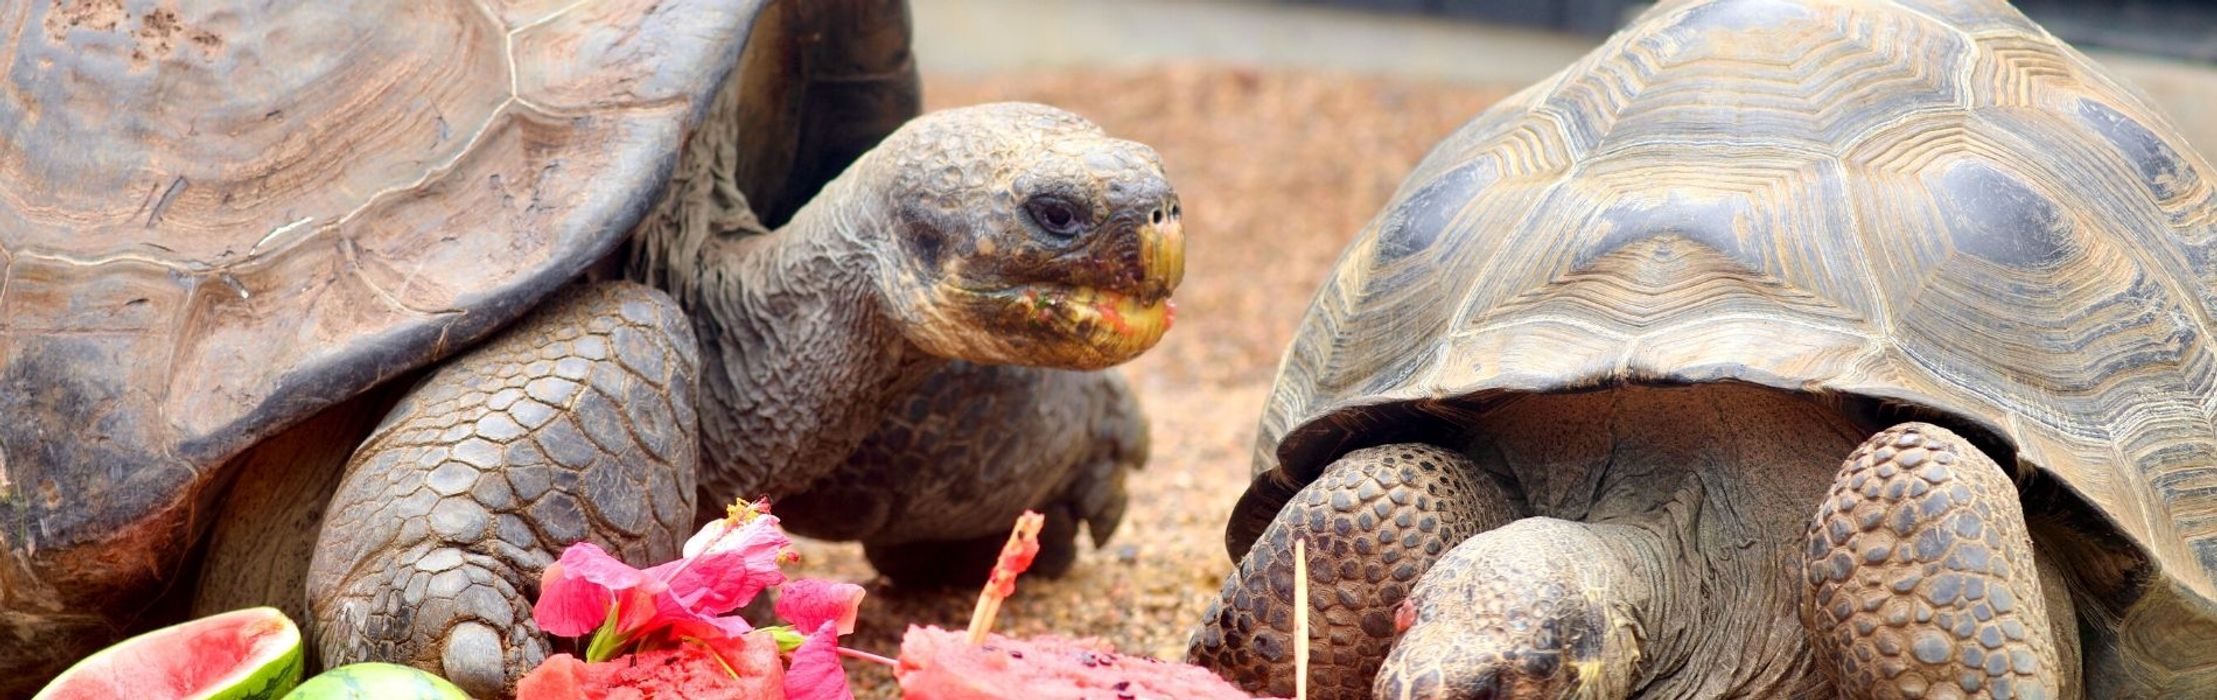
219, 217
1929, 204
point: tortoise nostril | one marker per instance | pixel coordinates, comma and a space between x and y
1486, 687
1155, 217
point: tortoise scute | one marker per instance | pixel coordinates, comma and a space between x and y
2161, 168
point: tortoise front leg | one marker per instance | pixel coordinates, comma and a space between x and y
1919, 579
1375, 521
931, 491
575, 425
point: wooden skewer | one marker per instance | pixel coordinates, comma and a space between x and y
1016, 556
1300, 620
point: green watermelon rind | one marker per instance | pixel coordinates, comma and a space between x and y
270, 679
372, 679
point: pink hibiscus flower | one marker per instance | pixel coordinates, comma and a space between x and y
825, 609
725, 565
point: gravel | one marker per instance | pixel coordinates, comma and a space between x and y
1276, 171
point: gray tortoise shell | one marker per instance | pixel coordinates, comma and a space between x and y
222, 218
1928, 204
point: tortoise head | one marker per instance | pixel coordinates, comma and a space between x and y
1023, 234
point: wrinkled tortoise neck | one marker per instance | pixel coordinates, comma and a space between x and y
799, 358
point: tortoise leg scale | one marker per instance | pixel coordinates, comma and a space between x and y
577, 424
1374, 522
1919, 579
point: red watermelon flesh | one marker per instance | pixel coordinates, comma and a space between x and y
939, 664
242, 653
691, 670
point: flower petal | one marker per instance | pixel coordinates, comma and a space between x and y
815, 673
638, 608
588, 561
669, 630
734, 625
710, 533
809, 603
760, 537
575, 592
719, 582
569, 606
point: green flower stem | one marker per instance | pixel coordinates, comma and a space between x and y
787, 638
606, 642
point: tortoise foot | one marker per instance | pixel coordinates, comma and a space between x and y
1374, 522
576, 425
467, 621
1919, 579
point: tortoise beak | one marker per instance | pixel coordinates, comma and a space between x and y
1116, 321
1132, 320
1162, 257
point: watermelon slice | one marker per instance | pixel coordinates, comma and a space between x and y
251, 653
744, 668
376, 680
939, 664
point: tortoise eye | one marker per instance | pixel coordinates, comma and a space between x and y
1055, 215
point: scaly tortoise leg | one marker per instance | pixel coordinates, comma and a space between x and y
1920, 579
931, 492
1377, 519
577, 424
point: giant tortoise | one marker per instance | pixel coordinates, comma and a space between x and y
1568, 418
241, 239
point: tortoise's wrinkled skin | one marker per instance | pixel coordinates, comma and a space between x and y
915, 270
972, 431
1661, 296
352, 237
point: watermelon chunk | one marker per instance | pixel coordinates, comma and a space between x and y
251, 653
376, 680
696, 670
939, 664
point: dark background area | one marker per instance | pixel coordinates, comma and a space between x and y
2183, 29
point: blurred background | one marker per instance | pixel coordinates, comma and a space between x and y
1285, 125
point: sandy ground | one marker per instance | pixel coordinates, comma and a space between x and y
1276, 171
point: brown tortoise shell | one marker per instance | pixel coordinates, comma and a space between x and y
219, 219
1931, 207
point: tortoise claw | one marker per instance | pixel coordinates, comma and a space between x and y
474, 657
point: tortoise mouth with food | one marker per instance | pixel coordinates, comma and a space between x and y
335, 278
1568, 419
